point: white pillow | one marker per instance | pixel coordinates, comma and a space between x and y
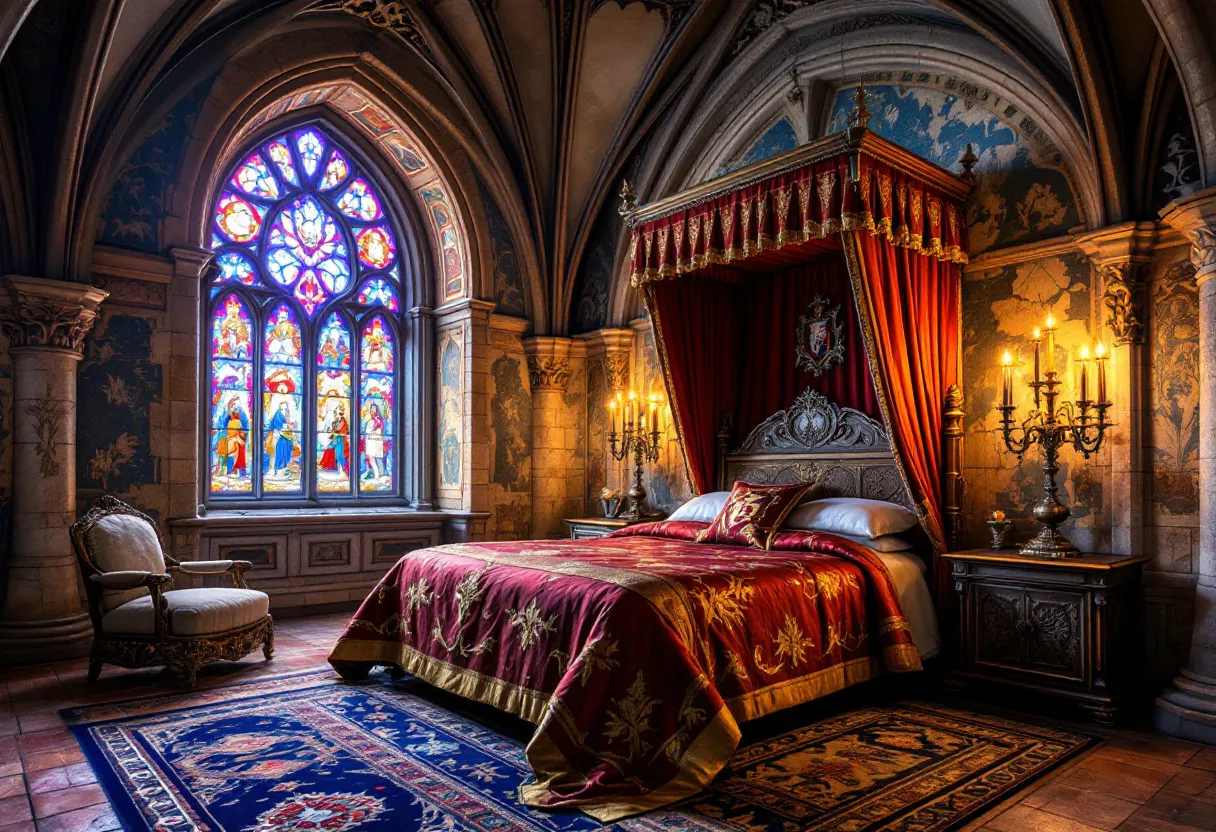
851, 516
887, 543
704, 508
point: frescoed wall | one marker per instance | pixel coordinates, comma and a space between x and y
1022, 190
117, 377
451, 407
1000, 309
139, 201
667, 480
508, 281
510, 420
778, 138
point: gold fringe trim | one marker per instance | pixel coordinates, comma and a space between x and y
767, 700
524, 702
702, 760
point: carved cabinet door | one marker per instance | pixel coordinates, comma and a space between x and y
1055, 633
997, 611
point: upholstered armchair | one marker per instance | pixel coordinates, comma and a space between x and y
139, 620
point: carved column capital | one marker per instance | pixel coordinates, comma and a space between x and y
548, 362
1194, 217
49, 313
616, 348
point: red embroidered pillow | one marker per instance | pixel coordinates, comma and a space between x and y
753, 513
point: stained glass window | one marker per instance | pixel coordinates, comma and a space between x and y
305, 336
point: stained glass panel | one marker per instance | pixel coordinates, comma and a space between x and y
334, 344
336, 170
281, 157
377, 354
333, 431
255, 179
376, 247
238, 219
378, 291
281, 426
376, 432
231, 399
359, 202
282, 345
304, 237
310, 148
235, 268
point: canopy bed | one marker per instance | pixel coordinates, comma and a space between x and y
638, 655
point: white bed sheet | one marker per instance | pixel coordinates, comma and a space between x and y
908, 573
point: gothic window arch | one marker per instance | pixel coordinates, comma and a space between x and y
305, 340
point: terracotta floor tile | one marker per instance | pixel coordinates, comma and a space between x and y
1205, 759
15, 809
1025, 819
1156, 747
50, 740
43, 720
99, 818
52, 759
1101, 811
9, 767
20, 826
8, 726
67, 800
1192, 781
1118, 779
1170, 810
54, 779
11, 786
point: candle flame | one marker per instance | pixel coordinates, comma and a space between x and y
633, 394
1100, 350
612, 404
1006, 359
1084, 353
1051, 322
1037, 334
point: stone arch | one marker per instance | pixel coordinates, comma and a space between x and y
828, 47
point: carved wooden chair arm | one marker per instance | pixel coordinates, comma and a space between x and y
236, 568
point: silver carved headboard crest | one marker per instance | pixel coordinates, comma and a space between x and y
815, 436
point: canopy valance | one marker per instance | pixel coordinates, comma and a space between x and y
895, 220
851, 181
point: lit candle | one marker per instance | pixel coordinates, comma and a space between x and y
1007, 379
1038, 336
1084, 362
1100, 354
612, 410
1051, 344
631, 407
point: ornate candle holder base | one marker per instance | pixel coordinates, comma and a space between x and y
1049, 543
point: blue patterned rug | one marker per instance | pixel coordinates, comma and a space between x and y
304, 752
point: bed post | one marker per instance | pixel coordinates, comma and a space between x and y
724, 431
952, 488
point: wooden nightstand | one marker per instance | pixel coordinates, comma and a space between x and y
582, 528
1066, 627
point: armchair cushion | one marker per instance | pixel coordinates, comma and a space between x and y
192, 612
124, 543
205, 567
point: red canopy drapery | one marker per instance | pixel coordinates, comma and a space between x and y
901, 222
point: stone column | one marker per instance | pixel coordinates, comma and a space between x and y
1188, 708
1121, 255
609, 355
42, 617
553, 435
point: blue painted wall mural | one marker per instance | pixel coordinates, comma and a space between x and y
1022, 190
117, 378
1176, 173
508, 282
778, 138
131, 217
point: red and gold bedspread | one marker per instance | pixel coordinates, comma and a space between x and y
636, 655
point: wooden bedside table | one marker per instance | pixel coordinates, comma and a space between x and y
582, 528
1066, 627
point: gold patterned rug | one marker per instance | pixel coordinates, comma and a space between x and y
898, 767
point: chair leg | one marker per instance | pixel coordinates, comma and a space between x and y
189, 674
94, 668
268, 645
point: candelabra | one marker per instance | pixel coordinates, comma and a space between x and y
638, 439
1052, 427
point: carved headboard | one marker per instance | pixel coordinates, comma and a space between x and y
852, 450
